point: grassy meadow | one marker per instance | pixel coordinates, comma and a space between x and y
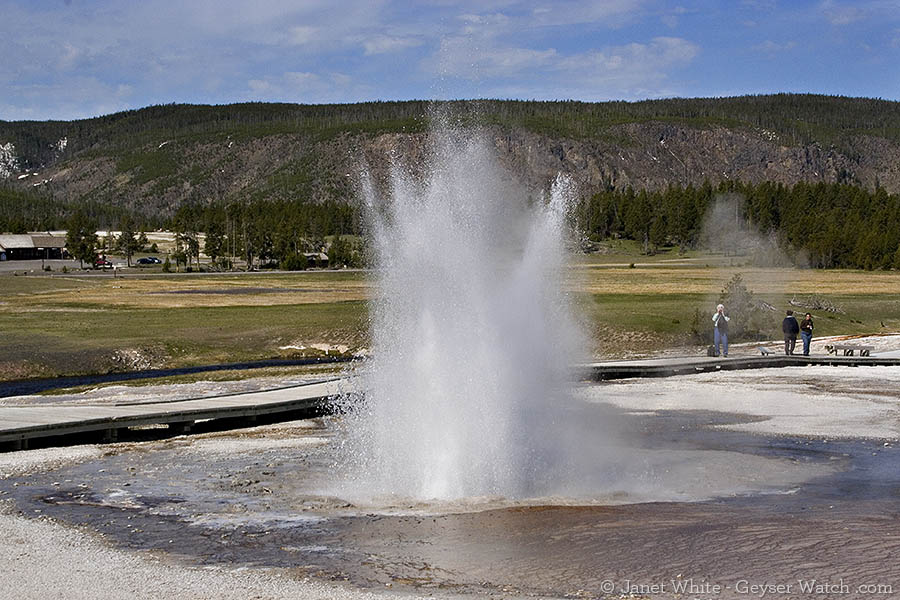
650, 306
81, 324
629, 304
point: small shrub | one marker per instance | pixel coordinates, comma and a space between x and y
701, 333
167, 266
295, 262
749, 317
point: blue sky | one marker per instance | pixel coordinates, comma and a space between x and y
69, 59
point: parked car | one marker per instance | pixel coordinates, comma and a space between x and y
148, 260
102, 263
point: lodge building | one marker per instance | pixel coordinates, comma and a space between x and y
31, 246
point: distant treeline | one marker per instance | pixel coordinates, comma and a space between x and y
825, 224
25, 210
272, 231
37, 142
796, 118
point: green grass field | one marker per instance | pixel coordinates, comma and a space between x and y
90, 324
81, 324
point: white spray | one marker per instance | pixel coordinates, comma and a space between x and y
473, 338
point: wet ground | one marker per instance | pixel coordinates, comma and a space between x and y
701, 509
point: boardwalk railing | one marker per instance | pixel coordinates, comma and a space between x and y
20, 424
57, 424
685, 366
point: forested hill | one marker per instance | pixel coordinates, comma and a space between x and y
150, 162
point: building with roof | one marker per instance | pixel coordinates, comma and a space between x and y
31, 246
316, 259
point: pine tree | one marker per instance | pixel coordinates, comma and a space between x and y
127, 242
81, 238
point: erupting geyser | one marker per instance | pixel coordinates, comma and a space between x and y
472, 333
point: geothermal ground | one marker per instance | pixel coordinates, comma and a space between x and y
722, 483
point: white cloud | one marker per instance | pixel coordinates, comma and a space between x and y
772, 49
609, 13
629, 70
260, 87
301, 34
226, 50
70, 56
305, 87
62, 60
76, 97
474, 59
340, 80
631, 67
124, 91
660, 53
384, 44
515, 17
301, 80
759, 5
839, 13
515, 43
493, 20
288, 83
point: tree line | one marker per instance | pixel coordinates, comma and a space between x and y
260, 234
23, 210
271, 231
824, 225
797, 118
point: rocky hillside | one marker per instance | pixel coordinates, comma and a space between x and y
156, 159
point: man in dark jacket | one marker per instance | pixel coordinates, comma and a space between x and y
791, 328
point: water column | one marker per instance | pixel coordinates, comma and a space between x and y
472, 333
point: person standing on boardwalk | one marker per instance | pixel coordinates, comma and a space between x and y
806, 328
720, 329
790, 328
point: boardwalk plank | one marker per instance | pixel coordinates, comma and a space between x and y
18, 423
29, 422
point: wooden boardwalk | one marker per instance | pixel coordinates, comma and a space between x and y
20, 424
50, 424
667, 367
